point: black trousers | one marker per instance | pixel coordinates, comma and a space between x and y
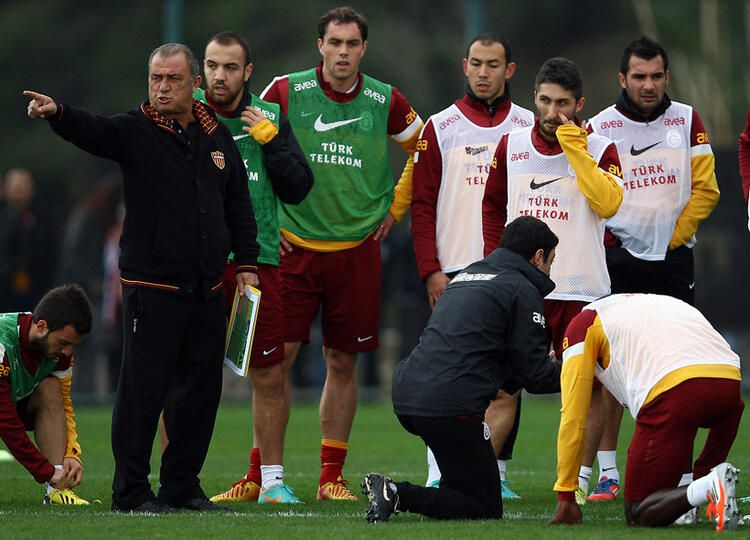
172, 360
470, 483
674, 276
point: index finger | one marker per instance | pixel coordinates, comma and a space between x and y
563, 118
32, 94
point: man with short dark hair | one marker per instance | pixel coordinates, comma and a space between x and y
451, 165
187, 205
36, 370
486, 333
669, 189
276, 171
331, 261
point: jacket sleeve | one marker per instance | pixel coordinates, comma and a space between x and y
743, 151
238, 211
290, 174
13, 432
704, 190
495, 201
427, 179
528, 344
98, 135
602, 189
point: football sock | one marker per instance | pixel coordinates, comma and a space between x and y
608, 464
273, 475
685, 479
584, 475
254, 474
49, 487
502, 466
332, 458
433, 471
697, 491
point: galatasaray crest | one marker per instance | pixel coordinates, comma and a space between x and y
218, 158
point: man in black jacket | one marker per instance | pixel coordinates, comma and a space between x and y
187, 205
485, 334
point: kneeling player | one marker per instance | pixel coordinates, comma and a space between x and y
36, 369
663, 361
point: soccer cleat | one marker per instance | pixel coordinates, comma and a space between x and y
688, 518
278, 494
382, 497
64, 497
507, 492
606, 490
722, 503
336, 491
433, 484
580, 496
243, 490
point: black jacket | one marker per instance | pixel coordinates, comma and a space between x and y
186, 198
487, 331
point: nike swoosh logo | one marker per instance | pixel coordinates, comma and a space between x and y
537, 185
275, 500
266, 353
238, 137
634, 152
361, 339
385, 493
323, 126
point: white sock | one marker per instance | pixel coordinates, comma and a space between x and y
502, 466
608, 464
584, 475
433, 471
272, 475
685, 479
50, 489
697, 491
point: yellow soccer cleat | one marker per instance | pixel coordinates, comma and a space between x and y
64, 497
336, 491
580, 496
243, 490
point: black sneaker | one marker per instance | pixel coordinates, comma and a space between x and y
382, 498
151, 506
202, 504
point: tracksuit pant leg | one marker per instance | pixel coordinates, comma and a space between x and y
470, 484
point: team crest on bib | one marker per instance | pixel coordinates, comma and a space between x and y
218, 158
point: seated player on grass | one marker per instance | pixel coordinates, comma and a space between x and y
662, 360
36, 370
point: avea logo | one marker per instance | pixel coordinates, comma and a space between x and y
518, 156
448, 121
377, 96
520, 121
679, 121
611, 124
306, 85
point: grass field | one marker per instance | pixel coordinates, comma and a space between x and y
378, 443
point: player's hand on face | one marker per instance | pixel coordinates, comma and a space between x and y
564, 119
40, 106
73, 472
568, 513
58, 479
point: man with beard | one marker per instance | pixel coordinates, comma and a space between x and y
451, 165
669, 189
276, 170
570, 180
36, 370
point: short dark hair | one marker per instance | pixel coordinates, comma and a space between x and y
171, 49
525, 235
342, 15
488, 38
645, 48
65, 305
560, 71
232, 38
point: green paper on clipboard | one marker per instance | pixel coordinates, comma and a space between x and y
241, 330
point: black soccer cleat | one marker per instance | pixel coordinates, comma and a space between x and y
382, 497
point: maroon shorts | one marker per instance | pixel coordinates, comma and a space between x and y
345, 284
665, 429
268, 343
557, 316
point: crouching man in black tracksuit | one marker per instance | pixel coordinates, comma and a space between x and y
485, 334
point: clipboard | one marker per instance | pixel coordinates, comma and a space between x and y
241, 330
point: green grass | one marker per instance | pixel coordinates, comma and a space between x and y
378, 443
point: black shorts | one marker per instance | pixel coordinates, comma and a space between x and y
674, 276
